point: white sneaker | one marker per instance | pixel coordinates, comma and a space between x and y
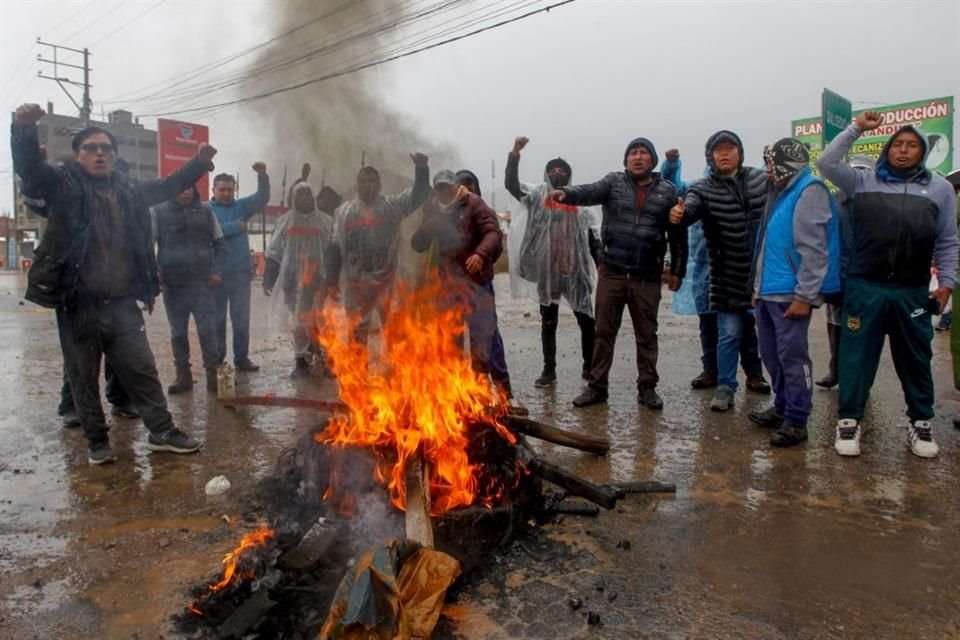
920, 433
848, 437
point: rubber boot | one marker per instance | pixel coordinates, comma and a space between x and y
183, 383
833, 337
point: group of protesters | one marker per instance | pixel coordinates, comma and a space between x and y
765, 246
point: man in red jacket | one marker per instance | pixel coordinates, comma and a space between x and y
466, 235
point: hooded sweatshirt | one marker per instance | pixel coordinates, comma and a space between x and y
898, 222
731, 208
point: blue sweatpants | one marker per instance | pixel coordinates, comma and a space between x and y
786, 355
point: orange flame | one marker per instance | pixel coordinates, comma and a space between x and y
426, 402
231, 561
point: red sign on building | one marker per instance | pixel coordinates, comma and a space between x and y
177, 145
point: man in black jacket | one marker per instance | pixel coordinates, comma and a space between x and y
190, 251
635, 233
96, 261
730, 202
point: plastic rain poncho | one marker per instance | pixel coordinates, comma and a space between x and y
549, 250
299, 244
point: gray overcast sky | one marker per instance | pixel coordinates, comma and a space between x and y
580, 81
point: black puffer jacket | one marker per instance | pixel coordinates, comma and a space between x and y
635, 241
731, 209
68, 193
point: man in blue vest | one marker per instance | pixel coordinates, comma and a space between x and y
797, 263
233, 216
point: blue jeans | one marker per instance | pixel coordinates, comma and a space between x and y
234, 293
749, 353
730, 328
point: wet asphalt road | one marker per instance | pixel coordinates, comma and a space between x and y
757, 542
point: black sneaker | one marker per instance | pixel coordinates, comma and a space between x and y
174, 440
787, 435
126, 411
590, 395
649, 398
247, 365
956, 421
547, 378
70, 420
101, 453
767, 418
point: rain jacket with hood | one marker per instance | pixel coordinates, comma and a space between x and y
69, 195
190, 243
898, 222
731, 209
555, 243
298, 246
366, 237
231, 215
463, 227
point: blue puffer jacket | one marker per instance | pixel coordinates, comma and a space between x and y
781, 260
230, 216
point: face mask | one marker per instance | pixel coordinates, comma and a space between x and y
558, 180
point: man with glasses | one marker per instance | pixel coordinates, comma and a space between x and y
95, 263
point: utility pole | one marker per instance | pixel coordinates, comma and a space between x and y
87, 104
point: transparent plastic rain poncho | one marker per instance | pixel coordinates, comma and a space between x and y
299, 242
693, 297
549, 250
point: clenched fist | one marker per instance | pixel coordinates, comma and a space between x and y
518, 144
28, 113
868, 120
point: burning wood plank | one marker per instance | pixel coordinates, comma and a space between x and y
417, 516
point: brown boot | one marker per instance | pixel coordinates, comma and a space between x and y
212, 379
183, 383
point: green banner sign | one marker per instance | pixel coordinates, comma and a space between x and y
934, 117
837, 114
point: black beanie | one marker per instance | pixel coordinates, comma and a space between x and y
646, 144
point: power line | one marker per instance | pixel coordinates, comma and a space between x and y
70, 17
368, 65
347, 36
94, 22
128, 22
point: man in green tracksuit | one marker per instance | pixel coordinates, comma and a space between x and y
903, 216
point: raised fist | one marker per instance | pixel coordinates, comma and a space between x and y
260, 167
419, 159
519, 144
673, 155
29, 113
205, 152
868, 120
